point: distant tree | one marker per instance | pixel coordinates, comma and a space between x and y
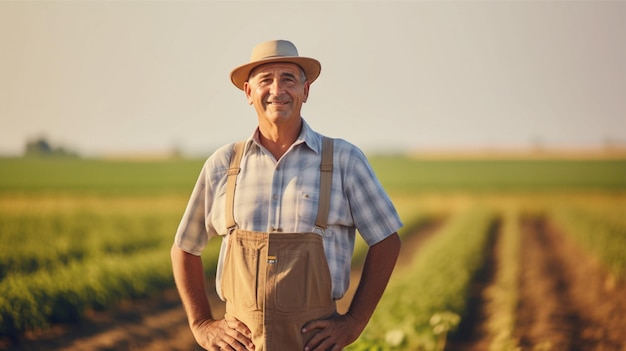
41, 147
37, 147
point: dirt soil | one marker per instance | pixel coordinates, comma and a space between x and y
567, 302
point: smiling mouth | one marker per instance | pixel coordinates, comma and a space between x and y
278, 103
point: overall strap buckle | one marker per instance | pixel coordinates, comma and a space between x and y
231, 183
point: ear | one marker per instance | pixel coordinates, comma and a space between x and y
307, 85
247, 90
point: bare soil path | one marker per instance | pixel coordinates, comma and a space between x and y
567, 300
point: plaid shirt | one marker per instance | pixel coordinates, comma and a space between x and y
283, 196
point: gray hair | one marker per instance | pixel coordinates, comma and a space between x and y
302, 73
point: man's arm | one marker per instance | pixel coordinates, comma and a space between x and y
338, 332
379, 263
208, 332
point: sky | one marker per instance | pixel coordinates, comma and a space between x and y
113, 77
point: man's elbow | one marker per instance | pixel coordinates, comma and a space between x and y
174, 251
176, 254
395, 244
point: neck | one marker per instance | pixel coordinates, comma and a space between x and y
277, 139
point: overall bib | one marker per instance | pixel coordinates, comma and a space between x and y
277, 282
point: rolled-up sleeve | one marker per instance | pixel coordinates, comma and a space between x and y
374, 215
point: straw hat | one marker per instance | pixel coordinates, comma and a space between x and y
275, 51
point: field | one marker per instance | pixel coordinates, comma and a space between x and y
498, 254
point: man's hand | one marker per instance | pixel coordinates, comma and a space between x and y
334, 333
209, 333
340, 331
214, 335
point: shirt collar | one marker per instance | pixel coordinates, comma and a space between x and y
307, 137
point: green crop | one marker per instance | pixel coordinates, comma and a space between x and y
80, 234
599, 229
437, 283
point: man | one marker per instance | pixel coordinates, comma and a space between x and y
287, 203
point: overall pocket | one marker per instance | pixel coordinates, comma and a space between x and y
303, 280
240, 277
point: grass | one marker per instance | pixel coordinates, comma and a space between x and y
98, 176
401, 173
397, 173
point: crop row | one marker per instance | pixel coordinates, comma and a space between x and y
435, 285
35, 300
502, 297
50, 241
62, 256
602, 231
428, 299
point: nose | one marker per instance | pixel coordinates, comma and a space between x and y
276, 88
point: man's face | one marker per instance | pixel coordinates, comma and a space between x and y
277, 91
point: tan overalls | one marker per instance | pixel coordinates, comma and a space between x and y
277, 282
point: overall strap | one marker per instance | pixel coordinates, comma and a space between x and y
231, 183
326, 178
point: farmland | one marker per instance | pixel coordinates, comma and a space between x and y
86, 240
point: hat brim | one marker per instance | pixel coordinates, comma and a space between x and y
310, 66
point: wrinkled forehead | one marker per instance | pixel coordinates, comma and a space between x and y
281, 67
